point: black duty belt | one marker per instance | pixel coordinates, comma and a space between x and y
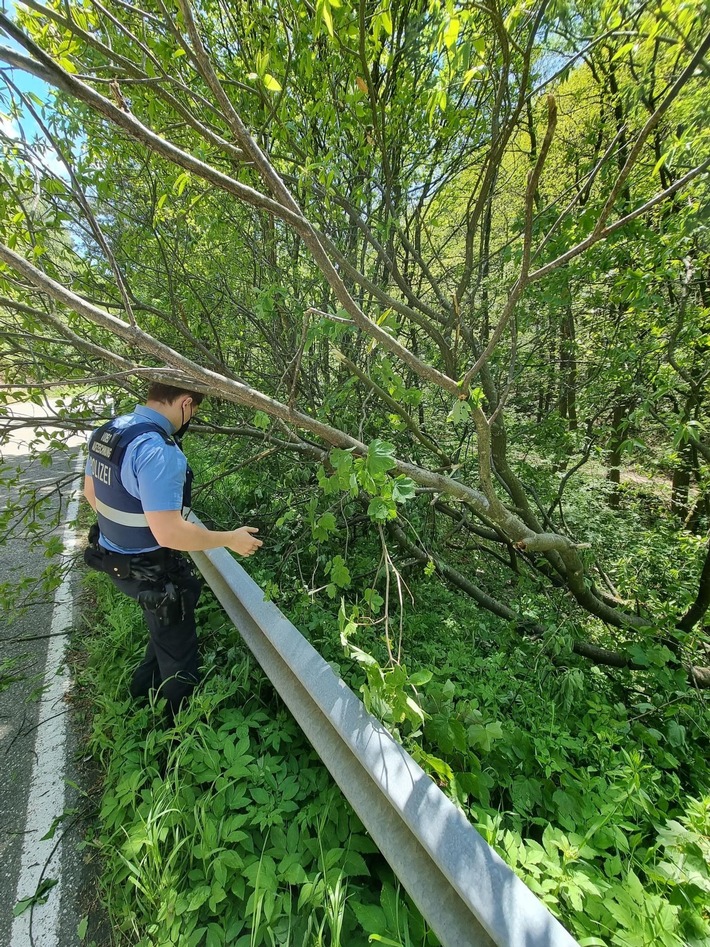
141, 565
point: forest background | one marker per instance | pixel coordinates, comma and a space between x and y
443, 269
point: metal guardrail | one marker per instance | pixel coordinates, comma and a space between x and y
466, 892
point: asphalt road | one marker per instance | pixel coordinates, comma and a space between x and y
37, 744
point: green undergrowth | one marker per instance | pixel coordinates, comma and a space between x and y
596, 803
595, 792
225, 829
592, 783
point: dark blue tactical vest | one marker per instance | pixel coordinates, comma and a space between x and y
121, 517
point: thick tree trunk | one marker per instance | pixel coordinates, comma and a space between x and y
702, 600
619, 420
681, 483
484, 271
568, 368
693, 521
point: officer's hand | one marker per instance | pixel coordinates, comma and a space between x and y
242, 541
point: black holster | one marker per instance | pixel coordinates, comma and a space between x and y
165, 603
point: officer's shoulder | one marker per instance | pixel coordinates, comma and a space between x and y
154, 438
149, 448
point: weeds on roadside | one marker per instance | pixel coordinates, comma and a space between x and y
225, 828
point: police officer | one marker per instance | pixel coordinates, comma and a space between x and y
138, 482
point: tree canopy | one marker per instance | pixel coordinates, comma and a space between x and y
445, 254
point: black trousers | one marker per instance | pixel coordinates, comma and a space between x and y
172, 657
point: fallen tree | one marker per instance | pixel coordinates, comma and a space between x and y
376, 293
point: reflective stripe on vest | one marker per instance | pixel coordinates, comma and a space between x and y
118, 516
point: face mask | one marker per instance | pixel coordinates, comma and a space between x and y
181, 431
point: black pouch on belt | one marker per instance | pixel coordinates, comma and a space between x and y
117, 565
94, 558
94, 554
112, 563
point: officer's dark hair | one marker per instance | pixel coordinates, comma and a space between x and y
167, 394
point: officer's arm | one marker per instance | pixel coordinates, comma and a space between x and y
173, 532
89, 492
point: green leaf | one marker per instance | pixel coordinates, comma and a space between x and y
362, 657
477, 397
622, 50
51, 831
355, 864
460, 412
659, 164
342, 460
470, 74
339, 572
403, 489
638, 654
272, 84
215, 935
325, 525
323, 12
181, 182
294, 875
261, 420
380, 457
373, 599
199, 897
51, 186
415, 709
676, 733
39, 897
371, 917
381, 511
451, 32
386, 21
438, 766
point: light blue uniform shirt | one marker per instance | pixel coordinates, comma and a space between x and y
152, 471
